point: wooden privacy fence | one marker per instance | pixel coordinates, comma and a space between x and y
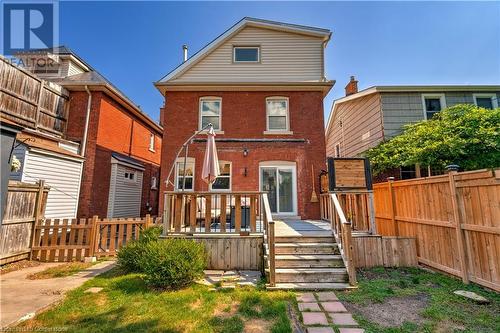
371, 251
30, 101
75, 239
25, 204
455, 219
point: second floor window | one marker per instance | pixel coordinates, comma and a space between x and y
433, 104
152, 142
210, 112
487, 101
277, 114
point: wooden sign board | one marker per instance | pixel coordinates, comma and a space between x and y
349, 173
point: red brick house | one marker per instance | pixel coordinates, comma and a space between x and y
261, 84
121, 145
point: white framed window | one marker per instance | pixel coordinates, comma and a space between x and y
180, 175
154, 183
130, 176
433, 103
277, 114
487, 101
210, 112
223, 182
152, 142
337, 150
246, 54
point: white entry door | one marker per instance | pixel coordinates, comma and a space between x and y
279, 181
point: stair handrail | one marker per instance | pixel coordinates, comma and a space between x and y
343, 235
269, 229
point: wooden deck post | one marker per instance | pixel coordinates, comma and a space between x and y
452, 171
166, 214
392, 202
272, 269
38, 215
349, 249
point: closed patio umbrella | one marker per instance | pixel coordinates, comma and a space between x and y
211, 162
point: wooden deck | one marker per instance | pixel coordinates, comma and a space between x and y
297, 228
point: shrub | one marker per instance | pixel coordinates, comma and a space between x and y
172, 263
129, 255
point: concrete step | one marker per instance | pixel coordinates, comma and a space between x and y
306, 248
308, 261
311, 275
305, 239
311, 286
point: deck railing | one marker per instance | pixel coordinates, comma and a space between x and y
270, 240
357, 206
212, 212
342, 231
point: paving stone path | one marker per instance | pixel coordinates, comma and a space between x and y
322, 312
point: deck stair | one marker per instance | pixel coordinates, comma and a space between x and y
308, 260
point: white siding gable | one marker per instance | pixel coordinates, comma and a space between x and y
284, 57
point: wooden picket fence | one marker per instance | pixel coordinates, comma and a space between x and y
454, 217
74, 239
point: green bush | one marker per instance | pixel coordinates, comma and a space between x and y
129, 255
172, 263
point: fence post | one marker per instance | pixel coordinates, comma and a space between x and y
93, 236
393, 205
38, 213
148, 221
452, 171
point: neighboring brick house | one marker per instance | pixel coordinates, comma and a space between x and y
361, 120
261, 84
121, 145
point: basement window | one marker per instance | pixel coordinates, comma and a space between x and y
246, 54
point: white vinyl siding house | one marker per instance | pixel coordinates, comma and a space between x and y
125, 188
61, 173
282, 57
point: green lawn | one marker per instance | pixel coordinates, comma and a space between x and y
127, 305
415, 300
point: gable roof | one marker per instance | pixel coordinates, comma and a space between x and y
408, 88
325, 34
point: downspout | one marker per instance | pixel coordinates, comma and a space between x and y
87, 120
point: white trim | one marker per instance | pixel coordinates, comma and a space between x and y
287, 129
128, 165
243, 61
230, 178
277, 132
247, 21
442, 101
180, 160
282, 165
493, 96
210, 98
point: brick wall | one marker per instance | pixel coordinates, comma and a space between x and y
244, 116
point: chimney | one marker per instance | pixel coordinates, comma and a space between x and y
185, 51
352, 87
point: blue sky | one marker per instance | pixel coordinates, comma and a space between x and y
136, 43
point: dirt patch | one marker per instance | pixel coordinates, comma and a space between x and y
446, 326
226, 310
101, 300
196, 304
394, 311
15, 266
257, 326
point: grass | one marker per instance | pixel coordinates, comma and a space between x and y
126, 304
62, 270
442, 311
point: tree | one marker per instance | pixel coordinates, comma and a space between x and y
464, 134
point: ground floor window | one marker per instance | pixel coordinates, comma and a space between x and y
188, 174
223, 182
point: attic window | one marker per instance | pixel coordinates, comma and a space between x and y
246, 54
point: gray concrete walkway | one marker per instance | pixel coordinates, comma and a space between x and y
21, 298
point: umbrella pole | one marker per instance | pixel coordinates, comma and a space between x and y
186, 149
